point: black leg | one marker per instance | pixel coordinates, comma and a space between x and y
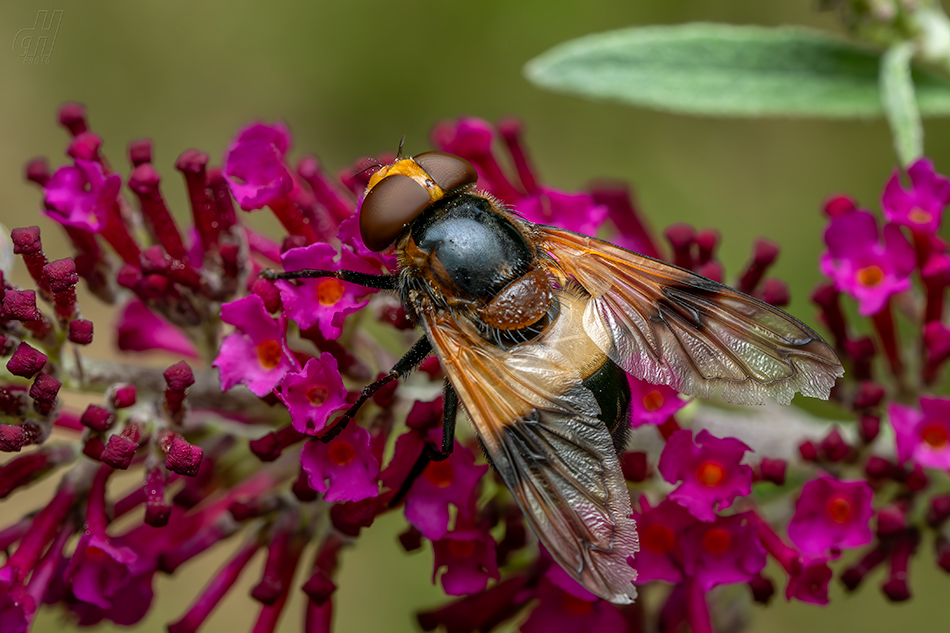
450, 405
403, 366
450, 409
380, 282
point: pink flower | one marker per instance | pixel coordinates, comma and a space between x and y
254, 165
722, 552
660, 529
921, 206
141, 330
350, 236
99, 570
652, 404
81, 196
831, 514
810, 583
923, 436
572, 211
344, 468
449, 482
566, 607
313, 394
861, 266
710, 470
469, 558
324, 302
257, 353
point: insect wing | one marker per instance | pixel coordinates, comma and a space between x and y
540, 427
667, 325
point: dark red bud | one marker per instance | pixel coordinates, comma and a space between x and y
26, 361
140, 151
97, 418
80, 331
124, 397
634, 466
179, 376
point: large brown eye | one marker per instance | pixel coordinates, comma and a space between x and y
394, 202
447, 170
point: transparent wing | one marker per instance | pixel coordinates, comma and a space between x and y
670, 326
540, 427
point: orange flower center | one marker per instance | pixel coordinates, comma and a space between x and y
268, 353
440, 473
317, 395
329, 291
919, 216
717, 541
840, 509
575, 605
341, 453
658, 538
653, 400
934, 435
461, 549
710, 474
870, 275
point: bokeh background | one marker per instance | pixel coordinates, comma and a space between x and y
350, 79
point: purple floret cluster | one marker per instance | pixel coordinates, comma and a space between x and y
225, 445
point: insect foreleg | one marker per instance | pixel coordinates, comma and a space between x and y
403, 366
380, 282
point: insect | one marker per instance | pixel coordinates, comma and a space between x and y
535, 327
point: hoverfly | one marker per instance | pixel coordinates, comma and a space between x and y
535, 327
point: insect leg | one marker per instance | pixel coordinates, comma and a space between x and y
403, 366
450, 405
450, 408
380, 282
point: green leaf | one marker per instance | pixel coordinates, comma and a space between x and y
718, 69
900, 106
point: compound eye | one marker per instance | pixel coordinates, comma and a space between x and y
447, 170
390, 205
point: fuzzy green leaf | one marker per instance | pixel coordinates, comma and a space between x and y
900, 106
723, 70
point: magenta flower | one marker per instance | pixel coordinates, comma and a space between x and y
652, 404
566, 607
448, 482
80, 196
349, 235
344, 468
141, 330
256, 355
469, 558
99, 570
861, 266
97, 551
923, 436
254, 165
810, 583
313, 394
921, 207
323, 302
710, 470
831, 515
660, 529
572, 211
723, 552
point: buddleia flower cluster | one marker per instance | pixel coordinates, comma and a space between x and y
225, 448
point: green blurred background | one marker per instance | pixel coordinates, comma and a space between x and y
350, 78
